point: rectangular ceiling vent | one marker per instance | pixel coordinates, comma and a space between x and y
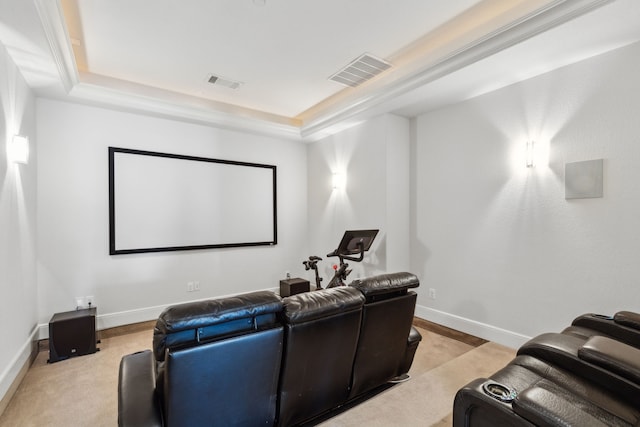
360, 70
221, 81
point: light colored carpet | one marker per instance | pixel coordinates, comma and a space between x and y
82, 391
427, 398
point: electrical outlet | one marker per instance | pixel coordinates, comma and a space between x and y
196, 285
432, 293
190, 286
80, 302
91, 302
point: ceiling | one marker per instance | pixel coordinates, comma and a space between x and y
156, 56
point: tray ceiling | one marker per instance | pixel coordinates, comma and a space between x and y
271, 61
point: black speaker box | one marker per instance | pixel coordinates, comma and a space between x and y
72, 333
293, 286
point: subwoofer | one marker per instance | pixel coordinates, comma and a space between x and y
72, 333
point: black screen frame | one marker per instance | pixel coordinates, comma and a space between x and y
114, 250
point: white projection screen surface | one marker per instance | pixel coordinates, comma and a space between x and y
166, 202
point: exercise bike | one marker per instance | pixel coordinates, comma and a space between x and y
352, 247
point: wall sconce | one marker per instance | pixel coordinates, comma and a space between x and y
18, 149
339, 181
530, 154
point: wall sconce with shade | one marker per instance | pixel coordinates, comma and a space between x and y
339, 181
530, 154
18, 149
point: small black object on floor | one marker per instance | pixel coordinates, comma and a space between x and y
72, 333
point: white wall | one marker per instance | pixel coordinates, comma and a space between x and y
18, 309
73, 257
374, 156
508, 256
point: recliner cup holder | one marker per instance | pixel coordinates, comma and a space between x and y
499, 391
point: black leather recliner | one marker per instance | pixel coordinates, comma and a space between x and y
581, 377
257, 359
540, 394
388, 341
217, 363
318, 361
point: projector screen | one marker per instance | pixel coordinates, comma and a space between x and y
168, 202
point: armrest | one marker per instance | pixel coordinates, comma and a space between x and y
413, 340
137, 404
545, 407
613, 355
414, 337
472, 406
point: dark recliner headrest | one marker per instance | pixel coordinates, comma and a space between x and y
567, 352
309, 306
386, 284
628, 318
184, 323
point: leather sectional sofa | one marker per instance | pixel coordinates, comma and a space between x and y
258, 359
587, 375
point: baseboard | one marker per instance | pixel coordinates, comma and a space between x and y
448, 332
122, 318
112, 320
12, 376
482, 330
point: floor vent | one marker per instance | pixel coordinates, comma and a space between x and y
360, 70
221, 81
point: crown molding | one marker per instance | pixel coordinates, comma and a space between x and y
52, 18
354, 109
190, 109
335, 116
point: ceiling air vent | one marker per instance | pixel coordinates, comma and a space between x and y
359, 71
221, 81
